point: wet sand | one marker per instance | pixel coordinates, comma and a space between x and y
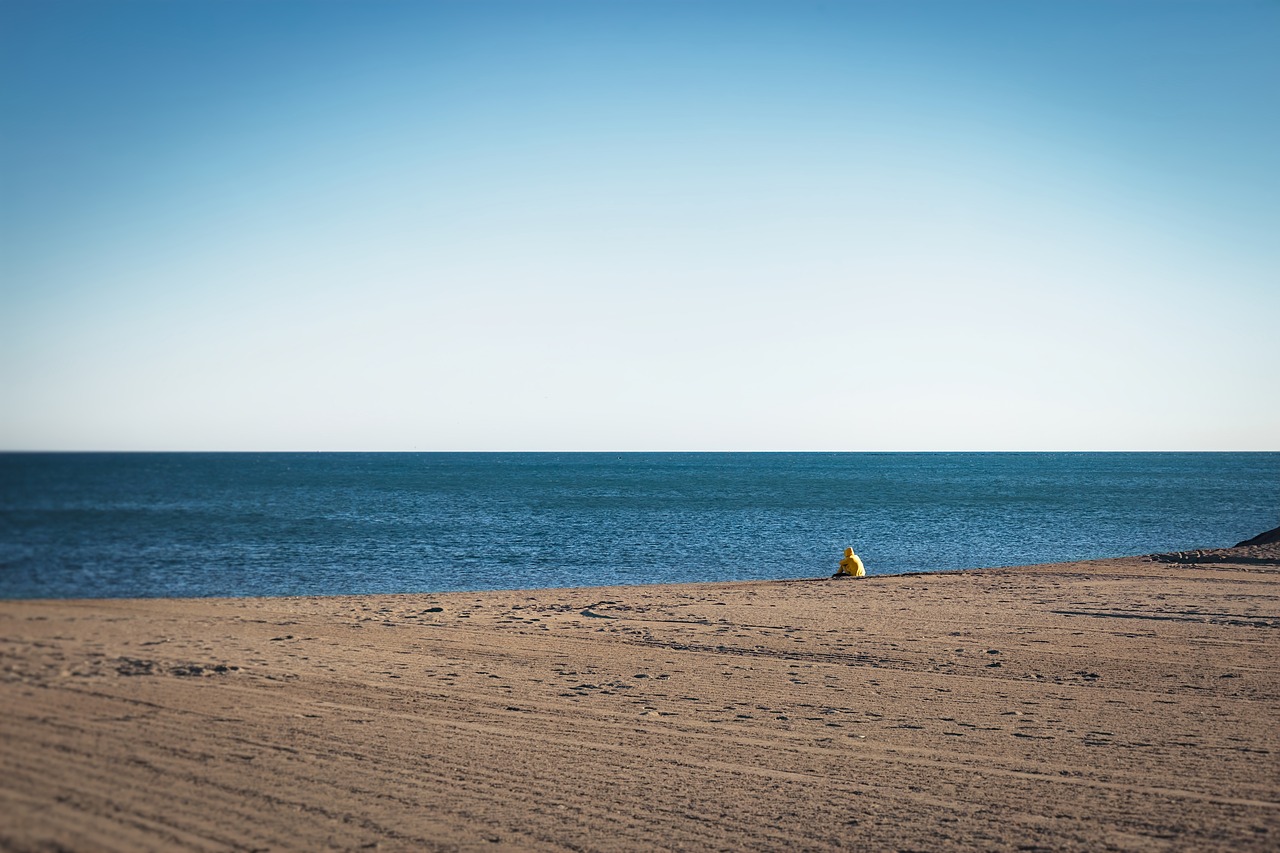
1120, 704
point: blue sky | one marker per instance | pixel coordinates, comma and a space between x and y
639, 226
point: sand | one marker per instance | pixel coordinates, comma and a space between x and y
1125, 704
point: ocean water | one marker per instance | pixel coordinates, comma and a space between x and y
195, 524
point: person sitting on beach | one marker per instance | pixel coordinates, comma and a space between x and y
851, 565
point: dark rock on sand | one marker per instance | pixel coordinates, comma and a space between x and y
1271, 537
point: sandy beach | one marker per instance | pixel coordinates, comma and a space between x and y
1120, 704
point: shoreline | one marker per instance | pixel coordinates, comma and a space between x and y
1121, 702
552, 590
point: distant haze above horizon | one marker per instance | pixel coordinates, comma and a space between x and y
654, 225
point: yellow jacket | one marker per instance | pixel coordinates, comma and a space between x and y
852, 565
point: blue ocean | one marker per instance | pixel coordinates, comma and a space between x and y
233, 524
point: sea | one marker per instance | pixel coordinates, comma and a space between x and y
101, 525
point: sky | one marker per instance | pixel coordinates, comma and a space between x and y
615, 226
